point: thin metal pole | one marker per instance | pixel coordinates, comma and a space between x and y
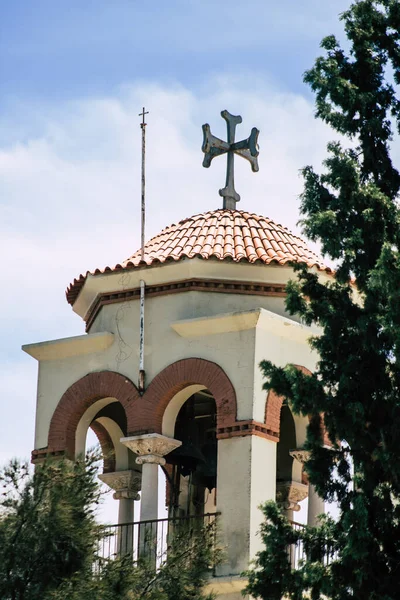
141, 383
143, 203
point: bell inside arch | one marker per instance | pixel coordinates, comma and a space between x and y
188, 457
206, 472
194, 463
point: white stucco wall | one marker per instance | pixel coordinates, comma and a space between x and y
234, 501
281, 351
246, 465
233, 351
246, 479
263, 486
237, 352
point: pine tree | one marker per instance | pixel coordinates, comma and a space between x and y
47, 526
49, 541
352, 210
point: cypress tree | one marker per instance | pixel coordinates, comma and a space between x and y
352, 210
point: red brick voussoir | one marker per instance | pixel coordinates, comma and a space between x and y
176, 377
273, 412
274, 404
144, 414
78, 398
107, 446
273, 407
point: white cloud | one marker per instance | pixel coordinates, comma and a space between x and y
71, 195
18, 401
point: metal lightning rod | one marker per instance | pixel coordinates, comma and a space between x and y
141, 382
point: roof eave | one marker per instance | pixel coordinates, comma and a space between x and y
160, 273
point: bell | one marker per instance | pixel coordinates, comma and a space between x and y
188, 457
206, 472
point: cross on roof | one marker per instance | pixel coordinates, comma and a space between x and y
213, 146
142, 114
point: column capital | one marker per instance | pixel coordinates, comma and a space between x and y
150, 447
290, 493
300, 454
125, 483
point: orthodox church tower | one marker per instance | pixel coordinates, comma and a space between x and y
214, 308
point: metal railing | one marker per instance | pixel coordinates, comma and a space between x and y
297, 553
150, 539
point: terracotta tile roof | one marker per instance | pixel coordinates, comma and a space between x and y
221, 234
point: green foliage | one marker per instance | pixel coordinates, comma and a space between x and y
182, 576
273, 576
47, 526
273, 566
352, 210
49, 540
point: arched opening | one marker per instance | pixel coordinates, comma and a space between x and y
74, 412
102, 426
192, 468
107, 419
287, 442
180, 380
290, 489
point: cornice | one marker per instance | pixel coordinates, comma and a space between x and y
260, 318
245, 428
221, 286
71, 346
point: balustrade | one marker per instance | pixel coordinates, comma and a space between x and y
158, 532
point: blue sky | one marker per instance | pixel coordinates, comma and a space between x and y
54, 51
73, 78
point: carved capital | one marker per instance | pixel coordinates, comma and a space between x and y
151, 447
290, 493
300, 454
151, 459
125, 483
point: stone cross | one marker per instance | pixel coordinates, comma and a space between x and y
213, 146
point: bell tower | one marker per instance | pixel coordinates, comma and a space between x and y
215, 307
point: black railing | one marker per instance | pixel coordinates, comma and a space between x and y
297, 553
150, 539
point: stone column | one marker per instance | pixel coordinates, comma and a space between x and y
126, 485
288, 496
316, 504
151, 449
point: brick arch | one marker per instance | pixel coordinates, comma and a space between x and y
107, 446
78, 398
176, 377
273, 407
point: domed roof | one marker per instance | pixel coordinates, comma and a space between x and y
220, 234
